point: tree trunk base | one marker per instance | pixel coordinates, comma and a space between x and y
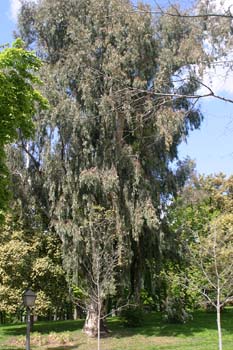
91, 326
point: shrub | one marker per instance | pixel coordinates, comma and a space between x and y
175, 311
132, 316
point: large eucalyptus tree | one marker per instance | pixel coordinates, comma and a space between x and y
118, 112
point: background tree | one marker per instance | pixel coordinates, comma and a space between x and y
202, 219
115, 122
18, 101
30, 257
212, 256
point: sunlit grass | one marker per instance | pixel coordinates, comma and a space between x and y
198, 334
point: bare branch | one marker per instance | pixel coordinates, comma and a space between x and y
160, 11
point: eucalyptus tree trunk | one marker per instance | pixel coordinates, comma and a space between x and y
91, 322
94, 325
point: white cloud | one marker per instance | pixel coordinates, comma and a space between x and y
14, 9
222, 5
220, 76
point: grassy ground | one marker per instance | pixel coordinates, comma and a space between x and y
198, 334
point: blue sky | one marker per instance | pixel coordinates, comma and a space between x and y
6, 23
211, 146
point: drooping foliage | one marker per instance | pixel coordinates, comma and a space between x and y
112, 132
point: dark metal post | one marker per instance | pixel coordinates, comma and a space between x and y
29, 298
28, 329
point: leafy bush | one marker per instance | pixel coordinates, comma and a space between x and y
132, 316
147, 300
175, 311
180, 298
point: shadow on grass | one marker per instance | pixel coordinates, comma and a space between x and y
64, 347
153, 325
59, 347
7, 348
43, 327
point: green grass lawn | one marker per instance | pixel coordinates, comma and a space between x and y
198, 334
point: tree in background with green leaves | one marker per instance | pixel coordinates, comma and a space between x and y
31, 258
202, 223
18, 102
212, 260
